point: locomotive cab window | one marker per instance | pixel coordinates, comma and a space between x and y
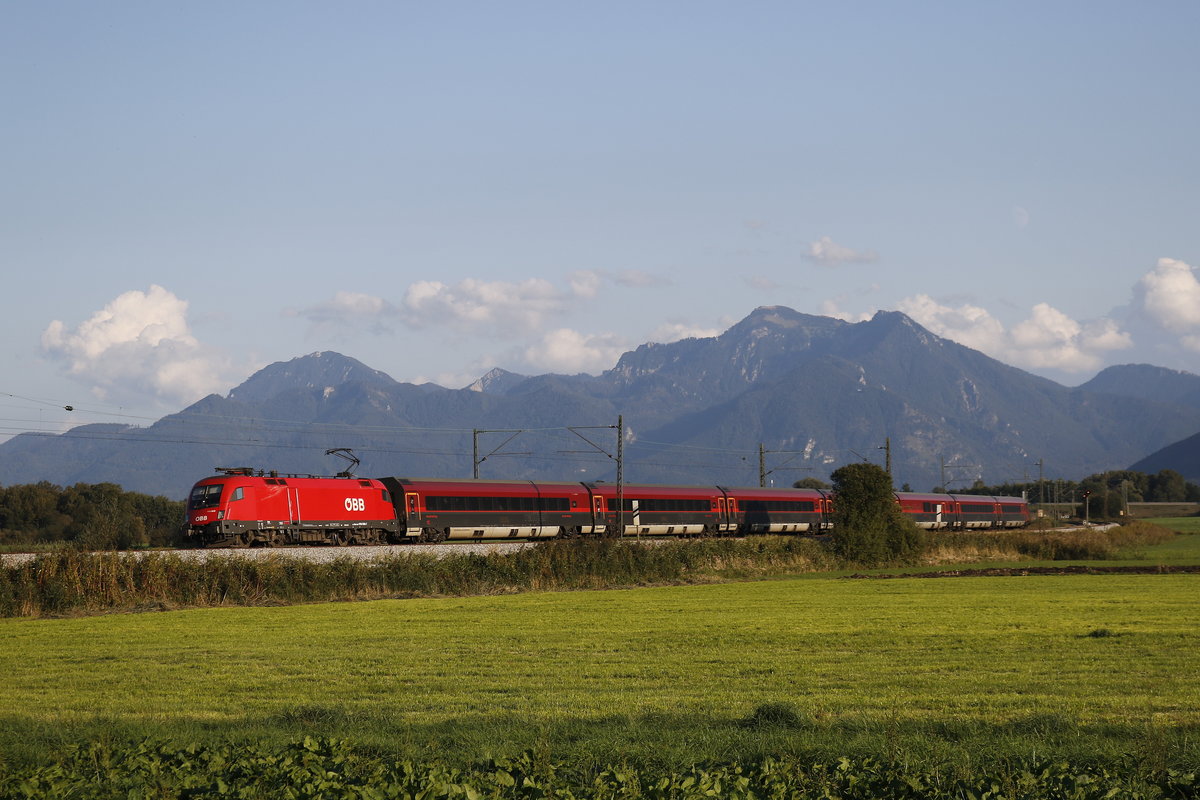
238, 494
206, 496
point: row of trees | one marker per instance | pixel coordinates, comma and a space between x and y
99, 516
1108, 493
868, 526
1119, 486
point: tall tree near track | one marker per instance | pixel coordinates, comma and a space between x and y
868, 526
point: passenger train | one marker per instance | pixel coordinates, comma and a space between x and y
241, 507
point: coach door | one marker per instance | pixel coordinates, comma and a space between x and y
412, 502
722, 519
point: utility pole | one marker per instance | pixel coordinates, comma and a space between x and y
887, 451
1041, 462
763, 472
620, 475
476, 460
620, 458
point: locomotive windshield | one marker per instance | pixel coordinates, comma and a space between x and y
205, 496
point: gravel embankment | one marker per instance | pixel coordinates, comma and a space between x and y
363, 553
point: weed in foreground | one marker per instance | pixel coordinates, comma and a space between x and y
323, 768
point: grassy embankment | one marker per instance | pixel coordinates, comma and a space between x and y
954, 673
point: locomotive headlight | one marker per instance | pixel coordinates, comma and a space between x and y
220, 515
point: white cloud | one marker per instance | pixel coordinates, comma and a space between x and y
674, 331
351, 309
500, 308
828, 252
1169, 296
585, 283
506, 309
139, 344
568, 351
1047, 339
832, 308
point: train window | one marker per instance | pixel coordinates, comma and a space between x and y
205, 496
978, 508
238, 494
791, 506
1011, 509
387, 498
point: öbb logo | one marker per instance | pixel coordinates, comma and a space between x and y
356, 504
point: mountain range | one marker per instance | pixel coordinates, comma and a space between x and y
799, 394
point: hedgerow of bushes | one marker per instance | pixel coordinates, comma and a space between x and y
70, 581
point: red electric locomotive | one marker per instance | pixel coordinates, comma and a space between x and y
242, 507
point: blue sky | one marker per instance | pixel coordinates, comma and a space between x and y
192, 191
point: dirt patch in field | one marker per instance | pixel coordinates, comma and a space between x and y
1064, 570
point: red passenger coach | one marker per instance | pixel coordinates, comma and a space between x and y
659, 510
963, 511
242, 508
778, 510
437, 510
932, 512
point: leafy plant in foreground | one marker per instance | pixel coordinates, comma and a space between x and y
331, 769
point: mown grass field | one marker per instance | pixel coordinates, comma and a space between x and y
944, 671
1188, 525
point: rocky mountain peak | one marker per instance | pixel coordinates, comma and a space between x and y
320, 370
496, 381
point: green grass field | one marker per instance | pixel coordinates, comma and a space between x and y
946, 670
1179, 524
